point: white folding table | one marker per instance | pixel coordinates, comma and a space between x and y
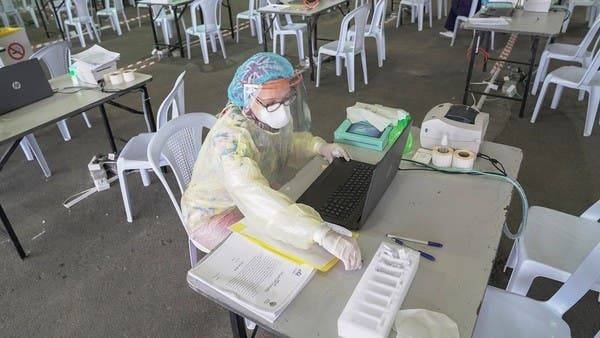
465, 213
64, 104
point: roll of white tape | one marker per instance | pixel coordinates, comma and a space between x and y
442, 156
463, 159
116, 78
128, 76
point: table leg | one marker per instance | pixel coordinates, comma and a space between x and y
156, 46
58, 19
109, 133
470, 70
178, 30
42, 18
11, 233
487, 39
9, 152
9, 229
238, 326
95, 6
264, 33
269, 19
230, 19
148, 110
311, 46
316, 37
534, 45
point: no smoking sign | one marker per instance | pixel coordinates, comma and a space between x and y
16, 51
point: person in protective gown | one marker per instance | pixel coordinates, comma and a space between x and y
236, 172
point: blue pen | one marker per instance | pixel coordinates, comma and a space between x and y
423, 253
406, 239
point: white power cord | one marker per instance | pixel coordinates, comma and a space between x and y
80, 196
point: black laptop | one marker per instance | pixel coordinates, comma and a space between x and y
21, 84
347, 191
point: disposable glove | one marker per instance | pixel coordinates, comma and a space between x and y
343, 247
331, 151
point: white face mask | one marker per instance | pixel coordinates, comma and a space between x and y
277, 119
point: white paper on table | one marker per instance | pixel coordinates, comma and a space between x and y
96, 56
258, 279
377, 115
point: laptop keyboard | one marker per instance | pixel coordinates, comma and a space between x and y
343, 202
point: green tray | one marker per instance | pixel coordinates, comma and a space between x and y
341, 135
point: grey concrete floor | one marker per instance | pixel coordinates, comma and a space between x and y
90, 273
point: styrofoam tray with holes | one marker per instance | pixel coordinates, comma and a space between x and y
372, 308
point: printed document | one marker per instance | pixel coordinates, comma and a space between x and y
261, 281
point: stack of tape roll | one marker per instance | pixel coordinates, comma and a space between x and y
446, 157
441, 156
116, 78
463, 159
120, 76
128, 75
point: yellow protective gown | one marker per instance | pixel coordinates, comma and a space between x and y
237, 166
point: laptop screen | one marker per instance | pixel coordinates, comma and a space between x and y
384, 173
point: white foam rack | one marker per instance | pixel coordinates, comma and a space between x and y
371, 310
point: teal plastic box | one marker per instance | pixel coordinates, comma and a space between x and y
342, 135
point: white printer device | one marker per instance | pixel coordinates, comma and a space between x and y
541, 6
463, 127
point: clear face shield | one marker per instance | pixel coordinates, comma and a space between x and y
277, 103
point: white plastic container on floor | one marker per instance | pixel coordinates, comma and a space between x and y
371, 310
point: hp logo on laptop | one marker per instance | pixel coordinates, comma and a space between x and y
16, 85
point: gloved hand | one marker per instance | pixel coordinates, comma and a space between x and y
343, 247
332, 150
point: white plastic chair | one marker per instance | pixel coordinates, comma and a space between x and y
591, 11
211, 14
255, 20
347, 46
376, 30
461, 18
417, 11
56, 58
29, 7
165, 19
582, 79
32, 150
112, 12
552, 246
505, 314
440, 10
4, 19
289, 28
134, 157
177, 144
9, 10
567, 52
138, 6
78, 15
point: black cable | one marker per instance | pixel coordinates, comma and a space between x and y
254, 332
494, 162
428, 167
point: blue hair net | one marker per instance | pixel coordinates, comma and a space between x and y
258, 69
